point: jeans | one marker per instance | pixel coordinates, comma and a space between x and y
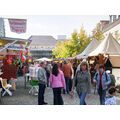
57, 96
41, 94
102, 94
67, 80
70, 84
82, 97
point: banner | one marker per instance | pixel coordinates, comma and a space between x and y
2, 29
17, 25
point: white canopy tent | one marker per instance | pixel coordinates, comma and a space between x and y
93, 45
43, 59
108, 46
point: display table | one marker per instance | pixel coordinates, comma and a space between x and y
26, 79
32, 75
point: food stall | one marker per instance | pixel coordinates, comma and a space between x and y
13, 51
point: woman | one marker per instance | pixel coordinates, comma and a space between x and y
57, 82
82, 82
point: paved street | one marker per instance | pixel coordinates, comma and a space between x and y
22, 97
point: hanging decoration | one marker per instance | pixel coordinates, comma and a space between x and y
16, 59
9, 61
22, 56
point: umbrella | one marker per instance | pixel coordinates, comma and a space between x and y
43, 59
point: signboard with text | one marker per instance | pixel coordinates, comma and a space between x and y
17, 25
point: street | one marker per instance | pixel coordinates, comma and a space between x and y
22, 97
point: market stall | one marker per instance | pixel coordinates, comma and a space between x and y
92, 46
44, 59
108, 53
13, 52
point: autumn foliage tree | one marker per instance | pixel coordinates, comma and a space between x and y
73, 46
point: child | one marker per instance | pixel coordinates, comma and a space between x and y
111, 99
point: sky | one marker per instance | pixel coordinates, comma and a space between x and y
54, 24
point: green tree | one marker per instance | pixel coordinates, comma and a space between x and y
78, 42
73, 46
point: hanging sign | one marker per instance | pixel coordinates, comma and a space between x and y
17, 25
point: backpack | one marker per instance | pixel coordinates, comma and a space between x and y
105, 75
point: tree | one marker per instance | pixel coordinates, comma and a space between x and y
72, 47
97, 33
79, 41
58, 52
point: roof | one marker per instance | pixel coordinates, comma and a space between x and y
92, 45
108, 46
43, 40
12, 39
110, 25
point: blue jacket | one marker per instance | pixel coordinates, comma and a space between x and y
105, 80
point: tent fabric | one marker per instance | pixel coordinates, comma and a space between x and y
43, 59
93, 45
115, 61
108, 46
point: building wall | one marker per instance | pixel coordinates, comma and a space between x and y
41, 53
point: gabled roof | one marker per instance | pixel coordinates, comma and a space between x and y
110, 25
42, 40
108, 46
93, 44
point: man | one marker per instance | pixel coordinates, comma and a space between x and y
47, 73
102, 79
42, 78
67, 74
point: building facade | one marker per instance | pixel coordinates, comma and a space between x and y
111, 26
61, 37
42, 46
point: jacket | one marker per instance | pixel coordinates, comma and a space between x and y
42, 78
67, 70
82, 82
57, 81
105, 80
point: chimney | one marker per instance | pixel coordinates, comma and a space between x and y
104, 22
114, 17
110, 18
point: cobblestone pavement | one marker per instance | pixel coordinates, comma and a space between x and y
22, 97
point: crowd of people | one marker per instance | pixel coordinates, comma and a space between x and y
65, 78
